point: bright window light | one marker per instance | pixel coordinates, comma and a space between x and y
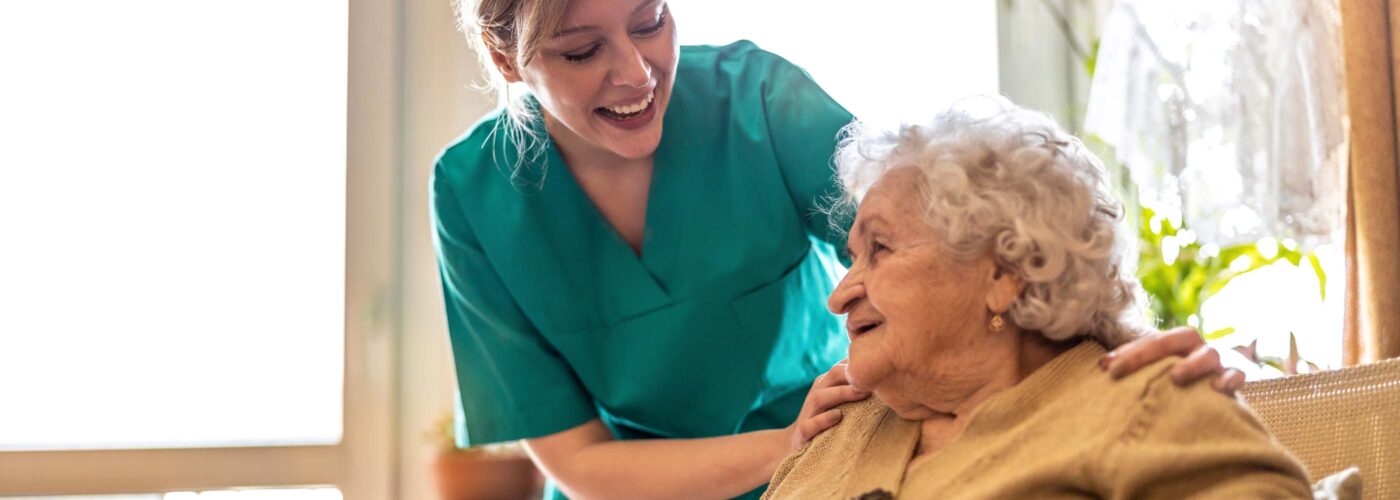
884, 60
172, 223
1267, 304
250, 494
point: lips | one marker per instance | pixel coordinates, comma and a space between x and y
628, 110
640, 112
857, 327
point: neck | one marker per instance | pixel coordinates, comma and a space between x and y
1002, 367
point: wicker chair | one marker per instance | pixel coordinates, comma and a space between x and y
1337, 419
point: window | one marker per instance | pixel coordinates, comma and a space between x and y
181, 213
1230, 119
882, 59
196, 272
258, 494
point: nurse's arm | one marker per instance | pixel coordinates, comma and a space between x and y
588, 462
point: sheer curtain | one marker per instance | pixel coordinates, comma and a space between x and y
1232, 113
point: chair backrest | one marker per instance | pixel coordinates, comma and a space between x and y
1337, 419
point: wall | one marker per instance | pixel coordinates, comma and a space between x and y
438, 105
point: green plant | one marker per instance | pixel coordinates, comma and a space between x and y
1288, 365
1179, 284
1180, 274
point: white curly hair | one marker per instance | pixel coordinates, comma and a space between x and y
1015, 184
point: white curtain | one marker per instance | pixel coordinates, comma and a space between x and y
1230, 114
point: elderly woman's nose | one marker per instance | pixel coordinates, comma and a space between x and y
630, 68
846, 293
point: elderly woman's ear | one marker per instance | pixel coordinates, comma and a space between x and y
1006, 287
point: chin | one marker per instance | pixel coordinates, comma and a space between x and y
637, 151
636, 144
858, 374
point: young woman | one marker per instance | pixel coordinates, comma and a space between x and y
635, 258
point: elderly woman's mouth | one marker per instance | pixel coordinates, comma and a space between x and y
858, 328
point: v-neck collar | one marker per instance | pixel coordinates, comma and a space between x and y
567, 185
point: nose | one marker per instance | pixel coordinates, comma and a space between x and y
847, 292
630, 68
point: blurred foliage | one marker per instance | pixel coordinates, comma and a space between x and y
1180, 274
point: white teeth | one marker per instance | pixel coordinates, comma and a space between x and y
632, 108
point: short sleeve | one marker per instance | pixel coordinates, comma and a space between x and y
512, 384
1195, 443
805, 125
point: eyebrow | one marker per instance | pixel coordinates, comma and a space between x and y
864, 228
579, 29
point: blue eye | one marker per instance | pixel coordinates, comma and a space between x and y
586, 55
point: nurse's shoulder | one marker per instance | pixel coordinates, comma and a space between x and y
740, 66
479, 152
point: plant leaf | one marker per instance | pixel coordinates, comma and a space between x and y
1321, 274
1221, 333
1290, 365
1250, 352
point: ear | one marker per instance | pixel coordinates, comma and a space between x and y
504, 63
1006, 287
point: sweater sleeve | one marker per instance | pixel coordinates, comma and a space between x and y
1195, 443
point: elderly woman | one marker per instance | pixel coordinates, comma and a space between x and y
987, 280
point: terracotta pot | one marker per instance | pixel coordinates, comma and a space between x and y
481, 476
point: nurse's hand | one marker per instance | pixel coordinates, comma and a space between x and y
1200, 361
819, 412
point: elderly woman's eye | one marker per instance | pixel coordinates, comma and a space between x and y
878, 247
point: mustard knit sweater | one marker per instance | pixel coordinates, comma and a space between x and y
1066, 431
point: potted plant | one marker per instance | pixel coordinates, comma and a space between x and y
480, 473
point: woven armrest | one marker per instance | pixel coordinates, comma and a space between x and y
1337, 419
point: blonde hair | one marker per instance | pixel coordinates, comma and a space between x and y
516, 29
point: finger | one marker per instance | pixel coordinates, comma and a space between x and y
822, 400
1143, 351
1229, 383
834, 377
1203, 362
1190, 339
811, 427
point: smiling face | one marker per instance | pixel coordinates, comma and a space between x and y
916, 316
604, 79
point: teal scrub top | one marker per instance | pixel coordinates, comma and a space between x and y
718, 327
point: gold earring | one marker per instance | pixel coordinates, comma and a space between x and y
997, 322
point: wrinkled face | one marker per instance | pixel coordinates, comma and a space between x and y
604, 80
914, 313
